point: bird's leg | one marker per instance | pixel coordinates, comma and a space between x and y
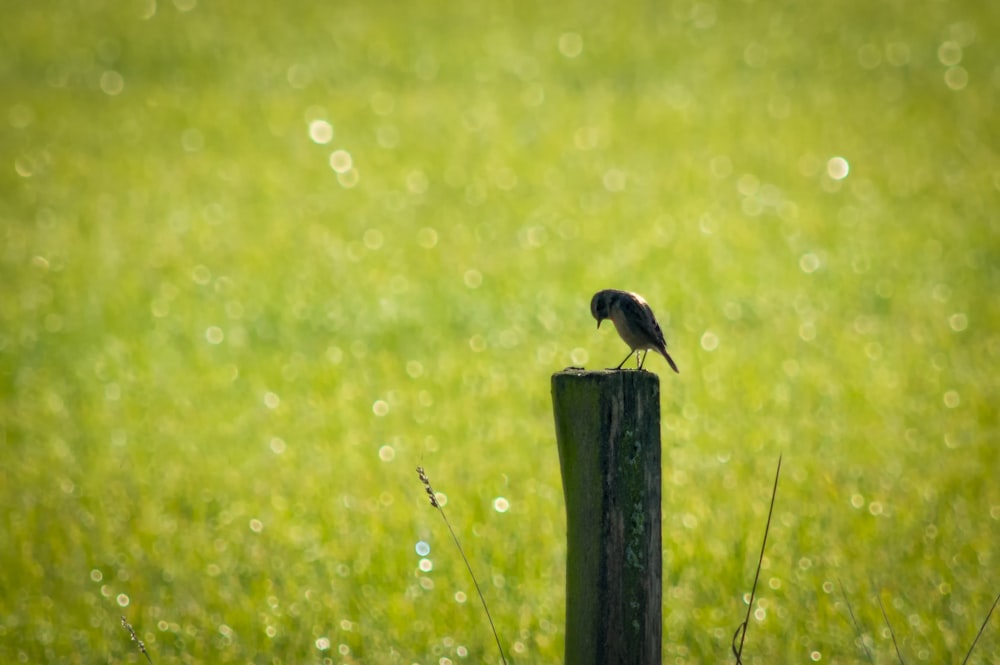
626, 358
643, 361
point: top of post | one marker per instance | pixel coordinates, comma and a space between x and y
583, 372
637, 379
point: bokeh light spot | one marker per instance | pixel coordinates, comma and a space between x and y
614, 180
192, 140
386, 453
201, 275
533, 95
112, 83
334, 354
422, 548
501, 505
755, 55
570, 44
373, 239
870, 56
958, 321
587, 138
348, 179
427, 237
299, 76
477, 343
147, 10
709, 341
837, 168
949, 53
809, 263
956, 78
417, 182
952, 399
387, 136
214, 335
341, 161
320, 131
380, 407
472, 278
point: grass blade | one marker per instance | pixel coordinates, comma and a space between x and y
135, 638
891, 631
854, 620
434, 502
981, 629
741, 630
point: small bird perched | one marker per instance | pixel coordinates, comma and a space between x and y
634, 321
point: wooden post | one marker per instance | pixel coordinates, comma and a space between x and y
608, 432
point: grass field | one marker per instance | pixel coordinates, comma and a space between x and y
261, 260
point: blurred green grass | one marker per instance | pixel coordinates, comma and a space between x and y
221, 360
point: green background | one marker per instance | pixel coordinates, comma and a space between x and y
221, 359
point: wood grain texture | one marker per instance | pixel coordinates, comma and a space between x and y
608, 433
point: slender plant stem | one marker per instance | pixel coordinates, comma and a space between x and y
857, 627
434, 502
742, 629
135, 638
891, 631
981, 629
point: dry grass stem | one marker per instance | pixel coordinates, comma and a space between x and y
891, 631
741, 630
434, 502
135, 638
981, 629
854, 622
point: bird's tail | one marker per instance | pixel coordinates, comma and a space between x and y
670, 360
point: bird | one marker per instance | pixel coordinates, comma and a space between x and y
634, 321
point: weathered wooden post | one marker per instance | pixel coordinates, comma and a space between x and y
608, 432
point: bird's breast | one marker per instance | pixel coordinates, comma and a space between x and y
634, 338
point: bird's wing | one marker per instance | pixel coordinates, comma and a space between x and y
654, 325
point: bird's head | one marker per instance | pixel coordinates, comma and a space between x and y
600, 306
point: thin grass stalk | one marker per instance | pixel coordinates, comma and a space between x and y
741, 631
434, 502
891, 631
854, 621
135, 638
981, 629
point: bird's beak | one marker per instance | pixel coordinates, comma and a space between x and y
599, 321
